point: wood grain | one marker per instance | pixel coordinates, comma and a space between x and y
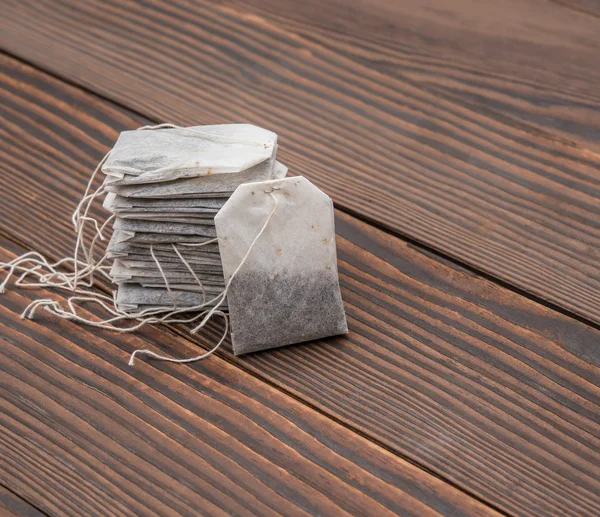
84, 434
477, 171
530, 64
487, 389
12, 505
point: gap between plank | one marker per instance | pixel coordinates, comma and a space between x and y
21, 498
576, 8
441, 256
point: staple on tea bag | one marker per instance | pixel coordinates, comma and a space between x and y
288, 290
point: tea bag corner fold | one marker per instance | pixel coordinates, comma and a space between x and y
287, 289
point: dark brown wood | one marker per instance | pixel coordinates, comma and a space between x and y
85, 434
478, 384
11, 505
528, 64
589, 7
461, 127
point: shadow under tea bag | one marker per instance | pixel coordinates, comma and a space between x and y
285, 288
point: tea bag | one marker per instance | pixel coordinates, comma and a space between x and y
151, 238
211, 186
284, 285
116, 250
167, 155
141, 261
120, 269
119, 204
135, 225
121, 274
133, 297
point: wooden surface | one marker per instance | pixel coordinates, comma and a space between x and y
457, 391
13, 506
84, 434
432, 136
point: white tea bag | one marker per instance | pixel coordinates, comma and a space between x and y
151, 268
134, 297
169, 219
133, 260
169, 264
119, 204
284, 283
150, 239
135, 225
169, 154
212, 186
118, 250
212, 291
121, 273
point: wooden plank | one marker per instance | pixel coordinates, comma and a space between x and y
84, 434
498, 192
534, 72
13, 506
488, 389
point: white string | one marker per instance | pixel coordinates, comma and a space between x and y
77, 272
149, 354
192, 272
198, 244
160, 269
233, 275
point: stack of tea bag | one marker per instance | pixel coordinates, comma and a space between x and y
165, 187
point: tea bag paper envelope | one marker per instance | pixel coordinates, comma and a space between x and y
120, 273
172, 219
132, 296
287, 290
125, 249
213, 186
171, 265
211, 290
168, 154
154, 239
133, 225
118, 204
120, 268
